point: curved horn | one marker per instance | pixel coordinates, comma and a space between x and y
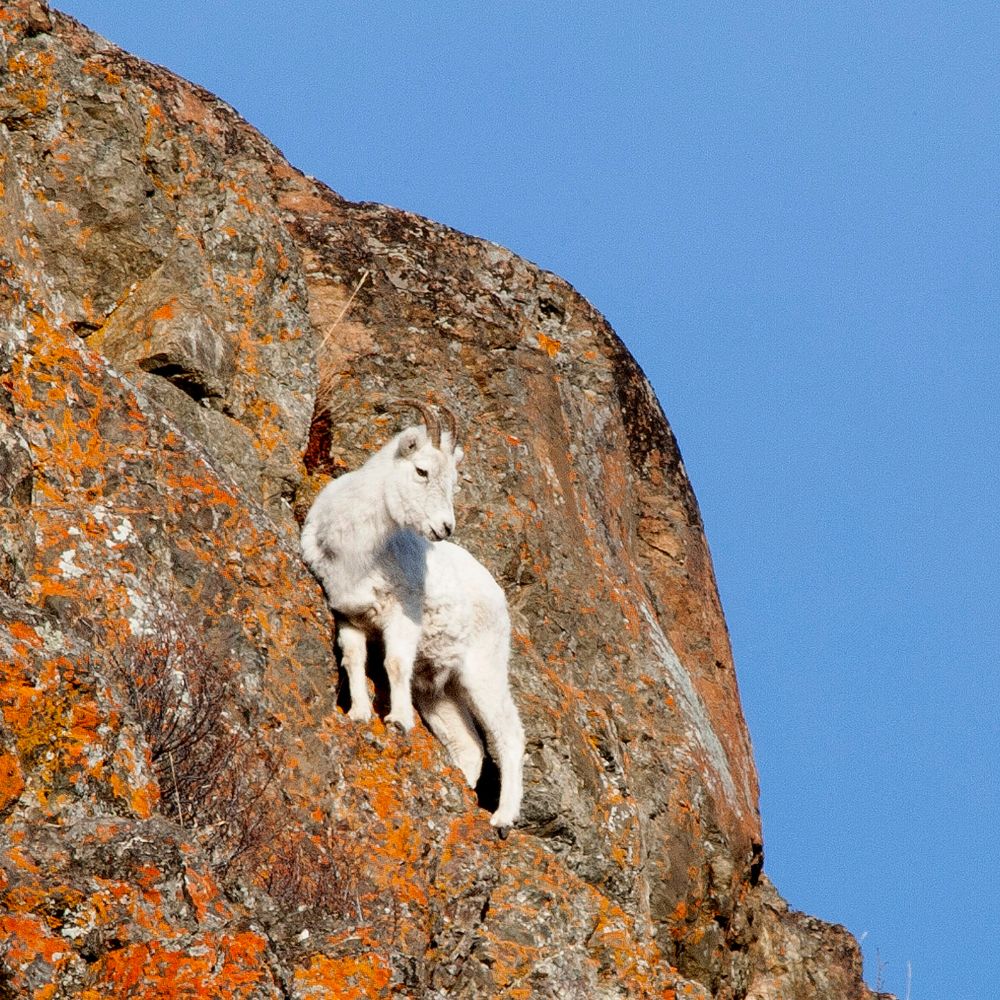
451, 424
430, 421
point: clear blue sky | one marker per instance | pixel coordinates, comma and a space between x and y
789, 212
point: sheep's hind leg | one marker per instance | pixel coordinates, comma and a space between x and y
493, 706
452, 724
354, 651
401, 638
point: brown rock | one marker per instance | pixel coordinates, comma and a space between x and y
800, 957
138, 208
181, 798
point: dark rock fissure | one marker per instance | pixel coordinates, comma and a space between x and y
185, 379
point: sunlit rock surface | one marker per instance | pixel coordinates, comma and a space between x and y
185, 806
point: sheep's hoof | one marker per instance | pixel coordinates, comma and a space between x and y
399, 726
503, 822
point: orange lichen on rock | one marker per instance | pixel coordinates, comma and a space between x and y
11, 781
549, 345
27, 938
350, 977
227, 967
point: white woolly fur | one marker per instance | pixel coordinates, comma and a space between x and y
374, 539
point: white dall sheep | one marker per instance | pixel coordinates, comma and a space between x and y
374, 539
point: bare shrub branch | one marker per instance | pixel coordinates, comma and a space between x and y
213, 775
312, 871
218, 777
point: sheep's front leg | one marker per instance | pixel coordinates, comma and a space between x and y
354, 651
401, 636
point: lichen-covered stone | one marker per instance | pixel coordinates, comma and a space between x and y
139, 209
170, 291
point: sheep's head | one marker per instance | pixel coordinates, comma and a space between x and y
420, 489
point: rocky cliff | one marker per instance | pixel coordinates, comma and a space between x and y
186, 809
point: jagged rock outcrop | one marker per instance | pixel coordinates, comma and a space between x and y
185, 808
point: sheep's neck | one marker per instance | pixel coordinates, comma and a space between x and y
359, 548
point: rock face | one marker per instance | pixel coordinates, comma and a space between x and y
186, 808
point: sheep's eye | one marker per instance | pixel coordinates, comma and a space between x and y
423, 473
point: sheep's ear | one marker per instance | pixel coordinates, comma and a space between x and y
459, 454
409, 441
